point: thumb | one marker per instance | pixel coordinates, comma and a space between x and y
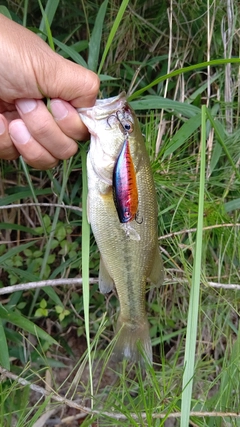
29, 68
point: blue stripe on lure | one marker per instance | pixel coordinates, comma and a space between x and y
125, 191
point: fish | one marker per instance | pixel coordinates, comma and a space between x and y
122, 212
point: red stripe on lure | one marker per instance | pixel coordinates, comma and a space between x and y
125, 192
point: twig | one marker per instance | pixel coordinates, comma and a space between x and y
42, 284
229, 286
192, 230
224, 285
69, 282
71, 418
118, 416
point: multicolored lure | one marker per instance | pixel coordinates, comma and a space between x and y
125, 191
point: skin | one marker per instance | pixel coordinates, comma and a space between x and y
29, 72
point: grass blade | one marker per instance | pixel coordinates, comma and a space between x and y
66, 171
194, 293
27, 175
113, 32
187, 129
219, 131
230, 382
233, 205
71, 53
6, 200
85, 259
13, 251
4, 11
47, 18
96, 37
215, 63
25, 324
4, 355
157, 102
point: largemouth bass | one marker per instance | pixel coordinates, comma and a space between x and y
122, 211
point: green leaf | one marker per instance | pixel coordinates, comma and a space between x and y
21, 274
47, 221
54, 244
14, 251
41, 312
4, 355
59, 309
23, 195
214, 62
43, 303
53, 295
105, 78
220, 134
32, 189
77, 47
3, 249
113, 32
230, 380
37, 254
182, 135
191, 336
233, 205
25, 324
4, 11
18, 227
61, 233
51, 258
96, 38
35, 418
47, 18
71, 53
85, 258
61, 316
158, 102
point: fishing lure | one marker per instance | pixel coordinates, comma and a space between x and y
125, 192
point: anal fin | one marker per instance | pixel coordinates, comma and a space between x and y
106, 283
157, 274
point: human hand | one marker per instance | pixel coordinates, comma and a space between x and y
30, 71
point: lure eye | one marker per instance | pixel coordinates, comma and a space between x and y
127, 126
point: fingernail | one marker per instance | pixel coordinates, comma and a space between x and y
19, 132
26, 105
2, 126
58, 110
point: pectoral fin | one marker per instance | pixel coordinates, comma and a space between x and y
157, 273
106, 283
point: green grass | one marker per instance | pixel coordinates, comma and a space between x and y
194, 151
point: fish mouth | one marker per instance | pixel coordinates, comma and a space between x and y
104, 107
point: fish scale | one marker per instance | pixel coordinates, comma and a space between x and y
129, 252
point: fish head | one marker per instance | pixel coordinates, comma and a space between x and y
109, 122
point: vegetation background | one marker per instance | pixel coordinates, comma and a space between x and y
179, 63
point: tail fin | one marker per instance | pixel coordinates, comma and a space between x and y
133, 341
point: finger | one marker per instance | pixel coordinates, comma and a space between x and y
43, 128
32, 152
80, 86
7, 149
68, 120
